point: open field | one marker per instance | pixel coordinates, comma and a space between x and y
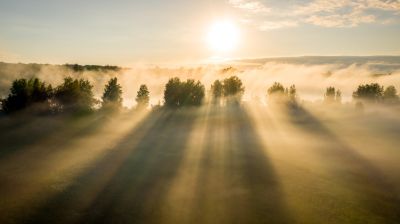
228, 164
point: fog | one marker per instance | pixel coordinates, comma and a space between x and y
303, 163
311, 77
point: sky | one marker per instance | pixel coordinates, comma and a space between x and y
126, 32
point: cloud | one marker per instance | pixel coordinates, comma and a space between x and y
271, 25
324, 13
249, 5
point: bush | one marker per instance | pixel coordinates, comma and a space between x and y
75, 95
178, 93
143, 98
112, 94
27, 93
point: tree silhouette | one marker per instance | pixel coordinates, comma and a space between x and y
332, 95
75, 95
142, 97
112, 94
233, 89
217, 89
338, 96
292, 93
369, 92
277, 93
189, 93
390, 95
276, 89
27, 93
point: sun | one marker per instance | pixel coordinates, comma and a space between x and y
223, 36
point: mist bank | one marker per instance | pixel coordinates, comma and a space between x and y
311, 75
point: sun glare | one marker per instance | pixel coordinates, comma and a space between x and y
223, 36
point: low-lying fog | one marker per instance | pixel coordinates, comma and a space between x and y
311, 75
242, 164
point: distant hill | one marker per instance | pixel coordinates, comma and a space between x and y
378, 63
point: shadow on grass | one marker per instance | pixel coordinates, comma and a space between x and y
378, 195
251, 192
19, 133
129, 184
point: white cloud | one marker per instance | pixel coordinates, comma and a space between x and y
272, 25
249, 5
325, 13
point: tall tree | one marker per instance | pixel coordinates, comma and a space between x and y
142, 97
217, 89
75, 95
112, 96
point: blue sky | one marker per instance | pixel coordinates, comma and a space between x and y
162, 31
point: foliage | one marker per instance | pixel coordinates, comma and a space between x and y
26, 93
369, 92
178, 93
217, 89
390, 95
278, 93
112, 94
276, 89
332, 95
143, 98
233, 87
75, 95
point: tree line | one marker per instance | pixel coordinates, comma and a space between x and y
76, 95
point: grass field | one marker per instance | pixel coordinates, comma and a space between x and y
239, 164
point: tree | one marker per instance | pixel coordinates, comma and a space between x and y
75, 95
332, 95
143, 98
277, 93
276, 89
193, 93
189, 93
233, 86
390, 95
27, 93
292, 93
369, 92
217, 89
338, 97
112, 94
172, 92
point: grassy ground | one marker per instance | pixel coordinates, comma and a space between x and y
246, 164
